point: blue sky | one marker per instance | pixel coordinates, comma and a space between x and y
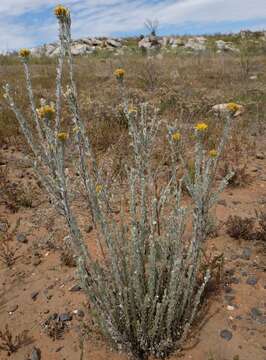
27, 23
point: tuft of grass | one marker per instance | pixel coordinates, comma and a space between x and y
7, 250
67, 257
261, 219
10, 343
240, 228
240, 178
13, 195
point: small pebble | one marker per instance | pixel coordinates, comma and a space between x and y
36, 261
257, 315
35, 354
226, 335
246, 254
260, 156
34, 295
65, 317
20, 237
75, 288
252, 280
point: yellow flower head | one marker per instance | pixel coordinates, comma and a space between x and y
201, 127
233, 107
98, 188
46, 112
24, 53
176, 136
132, 110
213, 153
62, 136
61, 11
120, 73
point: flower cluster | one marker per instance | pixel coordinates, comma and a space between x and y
233, 107
120, 73
201, 127
98, 188
132, 110
62, 136
61, 11
46, 112
24, 53
176, 136
213, 153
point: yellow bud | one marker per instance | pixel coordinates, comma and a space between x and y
213, 153
201, 127
98, 188
24, 53
46, 111
61, 11
62, 136
233, 107
132, 110
176, 136
120, 73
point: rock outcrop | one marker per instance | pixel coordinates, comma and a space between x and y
150, 42
196, 44
82, 46
89, 45
225, 46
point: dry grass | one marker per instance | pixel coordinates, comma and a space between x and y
10, 343
7, 249
240, 228
12, 194
183, 87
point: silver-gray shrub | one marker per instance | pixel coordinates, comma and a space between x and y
148, 285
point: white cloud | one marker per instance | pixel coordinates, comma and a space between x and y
104, 17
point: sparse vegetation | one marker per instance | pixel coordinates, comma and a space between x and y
7, 249
247, 228
10, 343
261, 219
12, 194
240, 228
54, 327
240, 175
67, 256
